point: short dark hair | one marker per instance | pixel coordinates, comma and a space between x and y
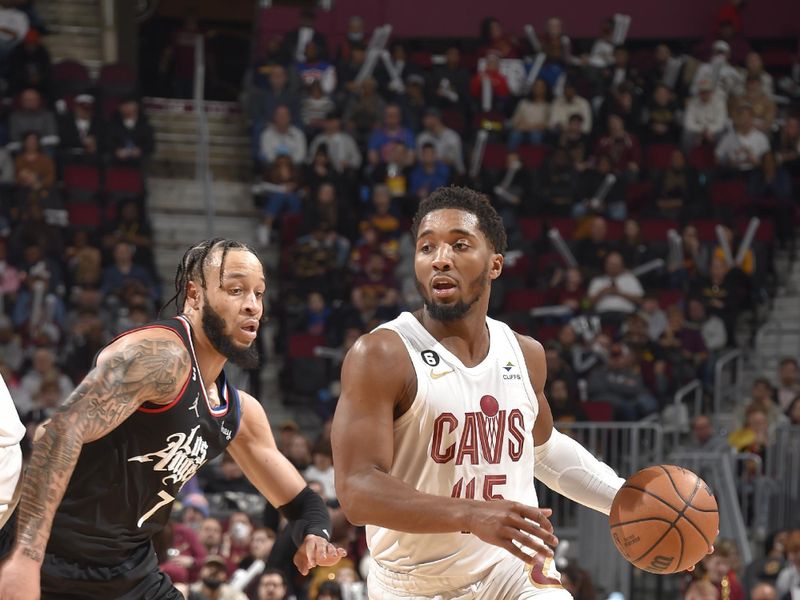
273, 571
788, 360
192, 266
462, 198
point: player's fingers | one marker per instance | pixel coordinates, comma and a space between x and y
531, 542
534, 529
516, 551
538, 515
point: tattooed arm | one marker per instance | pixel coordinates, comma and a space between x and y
140, 367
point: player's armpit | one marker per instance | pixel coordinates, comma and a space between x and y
130, 373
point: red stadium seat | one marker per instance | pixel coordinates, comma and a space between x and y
730, 194
598, 411
638, 193
290, 225
520, 268
531, 228
70, 77
670, 297
116, 79
545, 333
764, 233
659, 156
454, 119
564, 225
655, 230
124, 181
614, 230
522, 300
81, 179
84, 213
702, 157
494, 158
532, 156
706, 229
302, 345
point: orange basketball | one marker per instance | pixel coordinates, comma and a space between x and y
664, 519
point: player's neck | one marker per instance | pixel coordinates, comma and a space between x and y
209, 360
467, 338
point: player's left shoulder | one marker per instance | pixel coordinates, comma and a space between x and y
532, 348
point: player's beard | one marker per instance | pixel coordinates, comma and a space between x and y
245, 357
453, 312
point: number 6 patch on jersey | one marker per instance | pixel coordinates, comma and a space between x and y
543, 573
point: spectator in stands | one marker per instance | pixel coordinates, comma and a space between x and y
683, 347
565, 406
558, 365
727, 77
710, 327
313, 68
695, 263
446, 141
314, 260
720, 292
676, 190
355, 36
770, 186
123, 274
391, 131
615, 293
495, 79
793, 412
272, 585
261, 542
84, 261
341, 147
315, 107
705, 118
392, 82
763, 396
704, 438
748, 263
449, 83
29, 65
36, 171
701, 589
633, 249
12, 354
566, 288
294, 43
213, 582
348, 69
764, 109
284, 198
660, 117
43, 366
383, 217
601, 54
531, 117
132, 227
788, 381
754, 67
280, 91
321, 469
591, 252
743, 148
363, 110
567, 105
788, 582
33, 117
281, 137
428, 174
787, 145
666, 70
39, 313
81, 131
131, 138
413, 102
494, 41
621, 148
718, 571
764, 591
209, 534
766, 568
575, 142
620, 384
558, 183
329, 211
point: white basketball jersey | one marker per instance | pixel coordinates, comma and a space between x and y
467, 434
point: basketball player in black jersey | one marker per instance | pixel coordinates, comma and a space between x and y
107, 467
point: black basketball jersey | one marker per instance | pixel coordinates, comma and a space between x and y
121, 492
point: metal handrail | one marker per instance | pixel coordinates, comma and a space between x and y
695, 388
720, 388
203, 166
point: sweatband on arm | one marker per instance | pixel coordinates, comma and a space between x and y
568, 468
307, 515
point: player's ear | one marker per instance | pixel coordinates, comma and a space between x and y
496, 266
193, 294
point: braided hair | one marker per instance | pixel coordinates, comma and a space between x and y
192, 267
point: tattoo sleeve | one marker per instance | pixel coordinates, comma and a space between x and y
141, 371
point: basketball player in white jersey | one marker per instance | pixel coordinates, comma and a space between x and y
442, 410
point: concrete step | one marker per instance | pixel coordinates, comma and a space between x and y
181, 196
61, 47
186, 170
72, 18
176, 228
187, 123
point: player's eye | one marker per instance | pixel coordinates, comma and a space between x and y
425, 248
460, 246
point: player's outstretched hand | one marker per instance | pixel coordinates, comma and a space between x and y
19, 579
502, 522
315, 551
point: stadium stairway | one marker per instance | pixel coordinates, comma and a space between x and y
75, 30
176, 127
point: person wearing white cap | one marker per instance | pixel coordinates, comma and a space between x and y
80, 129
723, 76
11, 432
706, 116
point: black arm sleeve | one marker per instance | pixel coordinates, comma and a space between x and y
307, 515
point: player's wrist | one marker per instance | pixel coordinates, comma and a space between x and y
28, 555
